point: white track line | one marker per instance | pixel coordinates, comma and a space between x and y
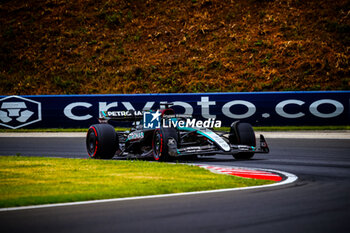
290, 178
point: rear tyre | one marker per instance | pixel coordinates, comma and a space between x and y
245, 136
102, 141
162, 140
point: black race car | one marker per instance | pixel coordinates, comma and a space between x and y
176, 136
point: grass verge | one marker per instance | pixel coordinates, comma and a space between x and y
38, 180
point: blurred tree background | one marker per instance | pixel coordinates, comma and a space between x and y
152, 46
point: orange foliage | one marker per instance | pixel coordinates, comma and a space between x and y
151, 46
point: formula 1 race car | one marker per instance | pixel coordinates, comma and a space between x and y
168, 135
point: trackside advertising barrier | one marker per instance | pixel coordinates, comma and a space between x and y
259, 109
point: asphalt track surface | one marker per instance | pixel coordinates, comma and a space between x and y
319, 201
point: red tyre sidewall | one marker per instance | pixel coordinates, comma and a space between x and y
96, 142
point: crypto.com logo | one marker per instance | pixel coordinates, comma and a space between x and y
16, 112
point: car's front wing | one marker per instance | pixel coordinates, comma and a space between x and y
212, 149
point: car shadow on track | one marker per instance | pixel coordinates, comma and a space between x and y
199, 159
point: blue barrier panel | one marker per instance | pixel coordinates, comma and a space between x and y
259, 109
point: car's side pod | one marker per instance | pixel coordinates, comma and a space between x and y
234, 136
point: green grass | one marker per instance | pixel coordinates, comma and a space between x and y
38, 180
258, 128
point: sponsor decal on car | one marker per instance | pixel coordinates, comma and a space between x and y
136, 136
121, 113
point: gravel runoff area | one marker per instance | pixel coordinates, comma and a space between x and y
320, 134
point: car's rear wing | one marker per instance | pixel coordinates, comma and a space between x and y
130, 115
135, 115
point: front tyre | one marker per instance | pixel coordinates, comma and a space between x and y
246, 136
101, 141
